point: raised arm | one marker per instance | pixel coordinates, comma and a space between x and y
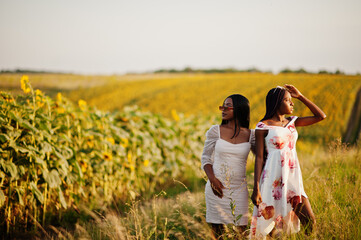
256, 195
318, 114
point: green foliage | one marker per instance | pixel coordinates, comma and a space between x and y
332, 179
56, 155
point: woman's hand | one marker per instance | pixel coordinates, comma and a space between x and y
318, 114
256, 197
217, 187
295, 93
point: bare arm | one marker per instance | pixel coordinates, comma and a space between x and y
256, 195
216, 185
318, 114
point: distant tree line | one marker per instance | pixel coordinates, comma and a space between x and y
210, 70
192, 70
250, 70
302, 70
28, 71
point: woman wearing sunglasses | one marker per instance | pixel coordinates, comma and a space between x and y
279, 196
224, 160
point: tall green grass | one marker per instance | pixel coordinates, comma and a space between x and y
332, 179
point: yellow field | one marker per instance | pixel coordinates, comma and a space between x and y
58, 156
201, 94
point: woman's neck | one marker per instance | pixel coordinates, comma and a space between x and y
231, 124
278, 117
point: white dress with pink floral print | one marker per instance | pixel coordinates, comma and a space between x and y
281, 184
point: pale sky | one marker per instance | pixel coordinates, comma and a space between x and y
115, 37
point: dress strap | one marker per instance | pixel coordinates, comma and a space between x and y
293, 119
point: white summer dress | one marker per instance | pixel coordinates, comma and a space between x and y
229, 165
281, 184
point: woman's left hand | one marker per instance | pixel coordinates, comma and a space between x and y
295, 93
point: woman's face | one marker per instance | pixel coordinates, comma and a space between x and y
286, 106
227, 113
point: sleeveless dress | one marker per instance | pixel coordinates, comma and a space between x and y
281, 184
229, 166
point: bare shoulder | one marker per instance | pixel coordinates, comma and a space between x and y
260, 133
246, 131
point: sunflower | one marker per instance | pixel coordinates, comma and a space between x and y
25, 86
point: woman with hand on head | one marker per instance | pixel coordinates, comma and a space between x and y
224, 160
278, 193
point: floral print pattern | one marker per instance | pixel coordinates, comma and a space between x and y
292, 164
291, 141
279, 222
260, 125
293, 198
285, 156
266, 211
277, 189
281, 184
292, 128
278, 142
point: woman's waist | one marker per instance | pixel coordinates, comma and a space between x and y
276, 153
232, 156
234, 171
230, 178
230, 163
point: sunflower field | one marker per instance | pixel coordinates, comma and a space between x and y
126, 139
201, 94
56, 155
